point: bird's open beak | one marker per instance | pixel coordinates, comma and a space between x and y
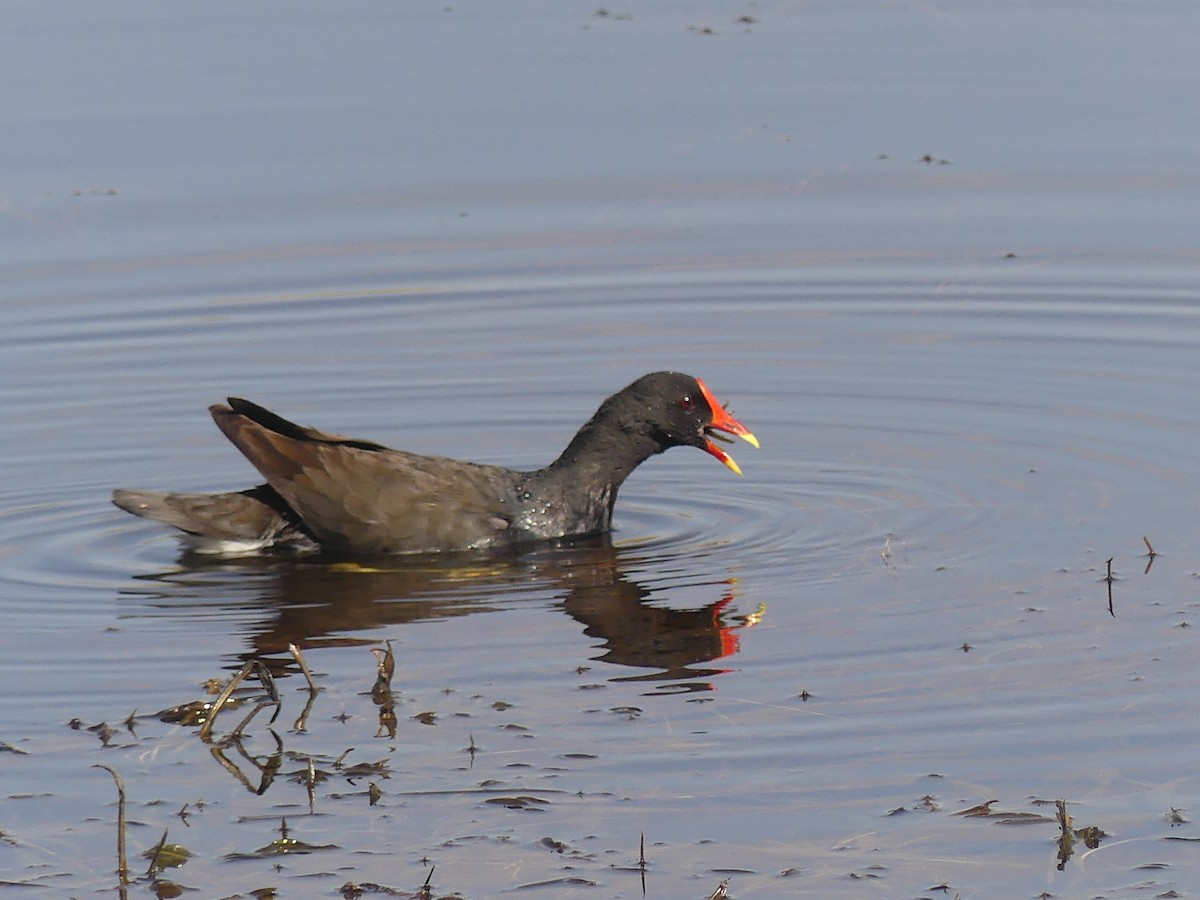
723, 421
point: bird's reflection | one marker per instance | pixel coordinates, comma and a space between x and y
326, 603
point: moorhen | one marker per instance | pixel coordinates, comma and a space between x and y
329, 492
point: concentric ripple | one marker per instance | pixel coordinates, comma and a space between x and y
892, 414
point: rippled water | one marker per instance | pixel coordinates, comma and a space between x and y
902, 599
974, 384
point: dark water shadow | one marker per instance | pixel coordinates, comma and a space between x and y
324, 603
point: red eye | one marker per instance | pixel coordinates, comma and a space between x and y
687, 403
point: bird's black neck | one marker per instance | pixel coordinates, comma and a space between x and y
605, 451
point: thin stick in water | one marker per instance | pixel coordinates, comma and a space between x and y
1109, 579
122, 863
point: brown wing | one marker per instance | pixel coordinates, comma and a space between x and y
363, 497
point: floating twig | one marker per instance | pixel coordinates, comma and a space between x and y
236, 734
231, 767
310, 784
267, 680
299, 658
222, 699
387, 722
381, 691
158, 848
1066, 838
426, 890
1109, 578
642, 861
385, 666
264, 678
979, 811
122, 863
267, 770
301, 723
1150, 554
